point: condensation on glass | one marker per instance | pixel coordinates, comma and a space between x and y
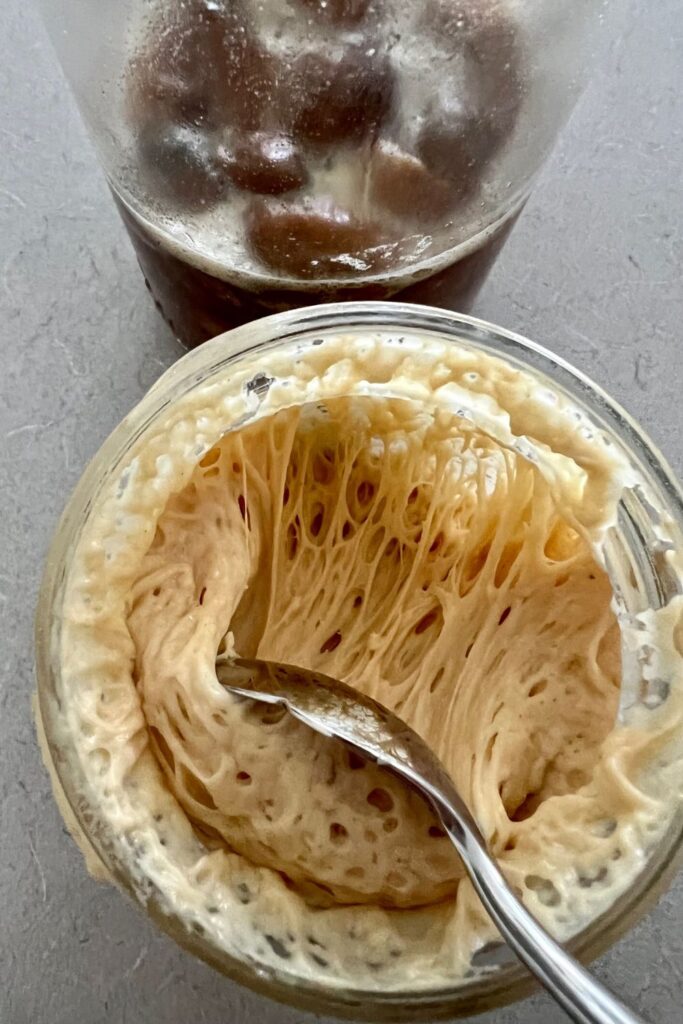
266, 155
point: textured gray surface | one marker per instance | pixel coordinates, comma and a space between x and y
593, 270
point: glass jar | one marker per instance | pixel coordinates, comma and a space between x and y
650, 522
271, 155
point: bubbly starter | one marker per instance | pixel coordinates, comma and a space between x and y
425, 523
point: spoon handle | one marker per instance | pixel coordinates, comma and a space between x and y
584, 998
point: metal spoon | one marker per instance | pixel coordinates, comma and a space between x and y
336, 710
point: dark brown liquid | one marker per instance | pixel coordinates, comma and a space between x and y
197, 306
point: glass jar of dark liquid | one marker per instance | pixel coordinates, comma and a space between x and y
266, 154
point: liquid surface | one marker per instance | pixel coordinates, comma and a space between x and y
198, 306
426, 524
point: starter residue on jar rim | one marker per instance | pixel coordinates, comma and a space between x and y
332, 432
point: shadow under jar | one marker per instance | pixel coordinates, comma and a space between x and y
268, 156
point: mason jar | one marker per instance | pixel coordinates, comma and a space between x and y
644, 580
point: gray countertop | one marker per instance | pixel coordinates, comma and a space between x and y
593, 270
